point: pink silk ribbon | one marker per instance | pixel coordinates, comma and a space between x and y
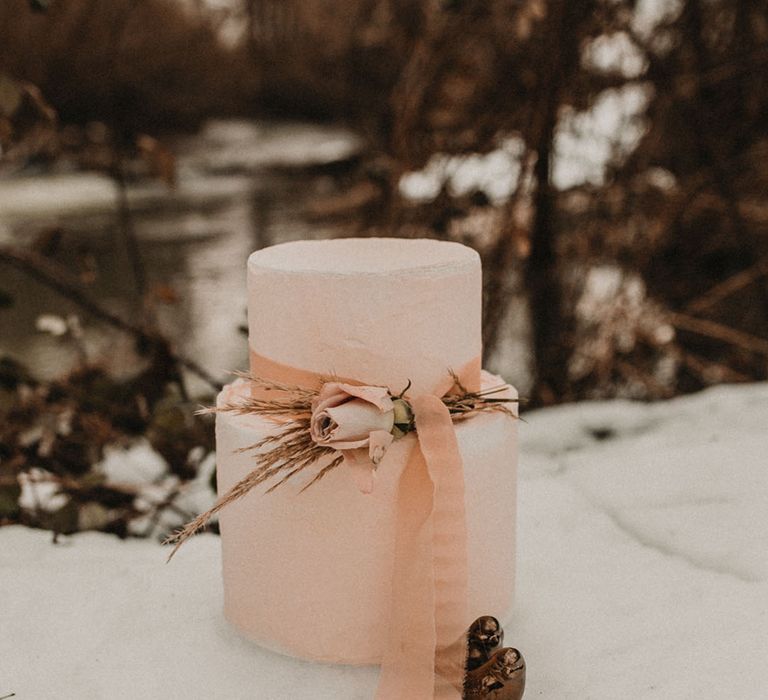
425, 652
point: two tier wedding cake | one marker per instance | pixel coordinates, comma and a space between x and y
311, 572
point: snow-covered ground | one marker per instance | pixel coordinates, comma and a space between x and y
643, 551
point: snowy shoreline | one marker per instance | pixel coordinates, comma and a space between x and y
642, 574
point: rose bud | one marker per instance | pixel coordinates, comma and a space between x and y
358, 421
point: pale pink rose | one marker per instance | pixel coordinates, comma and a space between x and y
357, 421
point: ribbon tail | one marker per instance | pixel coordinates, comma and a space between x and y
426, 648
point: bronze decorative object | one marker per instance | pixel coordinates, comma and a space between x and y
492, 671
484, 637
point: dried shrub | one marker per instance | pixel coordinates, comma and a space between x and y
138, 66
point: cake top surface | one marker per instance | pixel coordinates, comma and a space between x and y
366, 256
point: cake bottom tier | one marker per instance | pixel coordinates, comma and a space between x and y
309, 574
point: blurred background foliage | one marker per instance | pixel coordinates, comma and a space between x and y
607, 158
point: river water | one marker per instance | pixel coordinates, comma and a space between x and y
241, 187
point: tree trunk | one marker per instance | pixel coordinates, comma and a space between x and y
542, 281
551, 325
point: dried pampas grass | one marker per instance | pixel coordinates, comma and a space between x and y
290, 450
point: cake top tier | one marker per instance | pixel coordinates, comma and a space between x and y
364, 256
379, 310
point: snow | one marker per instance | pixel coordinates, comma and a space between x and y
79, 193
138, 464
643, 574
650, 15
245, 146
615, 53
495, 173
587, 142
40, 493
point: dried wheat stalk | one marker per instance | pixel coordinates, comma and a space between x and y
287, 452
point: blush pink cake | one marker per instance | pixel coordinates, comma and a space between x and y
309, 574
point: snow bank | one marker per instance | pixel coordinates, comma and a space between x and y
247, 146
643, 574
84, 194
